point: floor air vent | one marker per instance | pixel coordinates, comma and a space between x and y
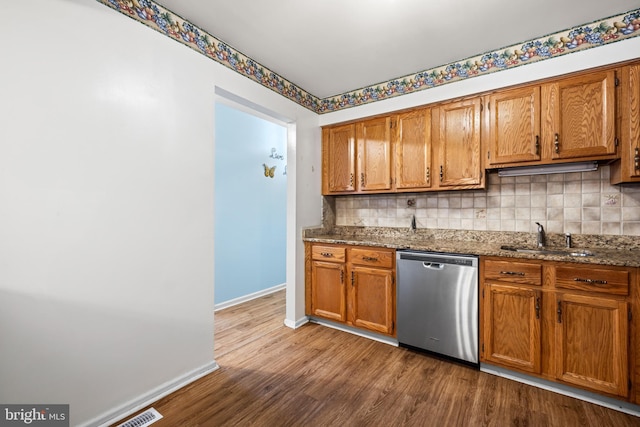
146, 418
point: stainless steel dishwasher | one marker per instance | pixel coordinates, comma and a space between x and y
437, 303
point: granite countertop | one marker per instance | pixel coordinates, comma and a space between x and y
606, 250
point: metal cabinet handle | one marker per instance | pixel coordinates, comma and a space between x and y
537, 307
362, 179
351, 179
429, 172
636, 159
441, 173
537, 145
590, 281
353, 278
559, 311
341, 276
556, 143
369, 258
512, 273
326, 254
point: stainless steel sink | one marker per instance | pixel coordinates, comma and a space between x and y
544, 251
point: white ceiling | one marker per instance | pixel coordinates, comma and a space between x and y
329, 47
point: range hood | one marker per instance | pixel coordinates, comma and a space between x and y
549, 169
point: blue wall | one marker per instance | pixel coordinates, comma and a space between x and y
250, 209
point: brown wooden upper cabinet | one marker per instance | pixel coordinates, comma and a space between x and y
627, 169
570, 119
413, 150
579, 116
339, 159
514, 126
357, 157
448, 145
456, 134
374, 154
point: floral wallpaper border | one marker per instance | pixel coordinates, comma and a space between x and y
595, 34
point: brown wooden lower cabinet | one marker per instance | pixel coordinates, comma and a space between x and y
591, 343
353, 285
372, 297
564, 322
329, 297
512, 326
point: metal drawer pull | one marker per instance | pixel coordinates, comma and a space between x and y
326, 254
537, 307
556, 143
636, 159
512, 273
369, 258
594, 281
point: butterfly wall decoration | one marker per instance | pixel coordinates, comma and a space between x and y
269, 172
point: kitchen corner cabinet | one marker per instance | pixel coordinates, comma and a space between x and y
357, 289
357, 157
413, 150
627, 169
564, 322
456, 134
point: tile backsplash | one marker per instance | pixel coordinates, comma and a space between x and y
579, 203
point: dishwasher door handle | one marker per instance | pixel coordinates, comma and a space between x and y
433, 265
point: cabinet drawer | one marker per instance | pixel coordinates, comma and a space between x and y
585, 278
513, 272
372, 257
328, 253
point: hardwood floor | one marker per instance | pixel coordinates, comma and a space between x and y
271, 375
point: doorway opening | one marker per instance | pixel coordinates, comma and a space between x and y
250, 209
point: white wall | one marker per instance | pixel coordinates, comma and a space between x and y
106, 212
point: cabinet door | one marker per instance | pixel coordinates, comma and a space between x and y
591, 343
457, 138
328, 291
628, 168
512, 326
632, 122
374, 154
514, 128
372, 299
582, 116
338, 159
413, 150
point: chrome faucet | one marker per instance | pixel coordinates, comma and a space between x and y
540, 235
